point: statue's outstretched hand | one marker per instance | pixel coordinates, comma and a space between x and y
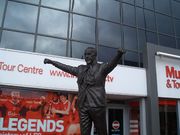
47, 61
121, 51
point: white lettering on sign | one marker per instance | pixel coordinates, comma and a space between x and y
32, 125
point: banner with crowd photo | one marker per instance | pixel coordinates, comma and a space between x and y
38, 113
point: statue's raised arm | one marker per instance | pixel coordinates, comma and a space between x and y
67, 68
114, 61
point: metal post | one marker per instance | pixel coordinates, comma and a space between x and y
143, 126
178, 117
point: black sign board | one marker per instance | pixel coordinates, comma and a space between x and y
115, 124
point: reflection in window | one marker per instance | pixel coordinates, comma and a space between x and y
141, 59
84, 28
178, 43
129, 1
21, 16
168, 117
152, 37
148, 4
30, 1
60, 4
162, 6
176, 8
167, 41
17, 41
144, 37
128, 14
2, 6
109, 34
164, 24
139, 3
78, 49
51, 46
53, 22
87, 7
103, 51
145, 19
145, 3
131, 59
106, 12
177, 27
130, 40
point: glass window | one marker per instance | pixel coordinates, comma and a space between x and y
152, 37
176, 8
78, 49
131, 59
130, 40
103, 51
177, 27
168, 117
109, 34
178, 43
148, 4
162, 6
141, 59
60, 4
2, 6
129, 1
87, 7
139, 3
106, 12
21, 17
164, 24
145, 19
134, 120
53, 22
17, 41
145, 3
51, 46
128, 14
167, 41
84, 28
30, 1
144, 37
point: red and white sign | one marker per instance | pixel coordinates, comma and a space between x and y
168, 77
28, 112
28, 70
116, 124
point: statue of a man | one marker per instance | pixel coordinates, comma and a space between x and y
91, 83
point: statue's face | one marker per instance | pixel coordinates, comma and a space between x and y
90, 56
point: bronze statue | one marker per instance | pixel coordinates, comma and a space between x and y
91, 83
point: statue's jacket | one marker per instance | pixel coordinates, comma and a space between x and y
91, 81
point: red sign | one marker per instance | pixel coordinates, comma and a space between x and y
115, 124
38, 113
173, 77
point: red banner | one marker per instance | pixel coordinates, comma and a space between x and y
25, 112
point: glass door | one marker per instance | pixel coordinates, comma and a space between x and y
115, 121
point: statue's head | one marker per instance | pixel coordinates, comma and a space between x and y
90, 55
